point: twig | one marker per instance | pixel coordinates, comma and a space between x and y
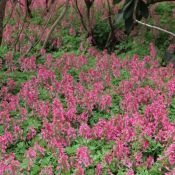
55, 23
149, 25
109, 16
18, 37
80, 14
111, 26
155, 27
39, 40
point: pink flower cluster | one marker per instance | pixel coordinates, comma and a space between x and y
69, 103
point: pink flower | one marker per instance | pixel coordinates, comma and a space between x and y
11, 84
46, 170
83, 157
72, 31
39, 148
116, 65
152, 50
42, 51
9, 60
63, 163
70, 114
85, 131
23, 113
130, 172
57, 109
30, 154
145, 144
43, 108
83, 117
90, 40
108, 158
171, 87
149, 161
71, 133
98, 169
80, 171
98, 129
48, 61
108, 79
120, 150
28, 64
8, 164
105, 102
138, 157
170, 153
31, 133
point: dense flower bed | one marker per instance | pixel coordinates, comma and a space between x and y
88, 114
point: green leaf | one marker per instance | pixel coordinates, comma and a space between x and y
116, 1
71, 150
46, 161
21, 145
90, 171
24, 164
35, 170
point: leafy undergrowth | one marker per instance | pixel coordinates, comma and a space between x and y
90, 113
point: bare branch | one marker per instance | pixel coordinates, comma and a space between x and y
38, 41
80, 14
111, 34
155, 27
56, 22
149, 25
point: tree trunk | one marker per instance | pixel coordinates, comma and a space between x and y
2, 14
28, 10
